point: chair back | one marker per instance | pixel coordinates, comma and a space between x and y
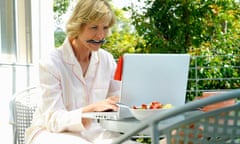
214, 127
22, 107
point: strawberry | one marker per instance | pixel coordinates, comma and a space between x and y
134, 107
144, 106
155, 105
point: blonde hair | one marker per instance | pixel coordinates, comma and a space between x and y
87, 11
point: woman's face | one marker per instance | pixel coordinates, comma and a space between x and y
95, 31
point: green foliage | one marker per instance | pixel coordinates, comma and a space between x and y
123, 38
218, 60
172, 26
59, 37
60, 6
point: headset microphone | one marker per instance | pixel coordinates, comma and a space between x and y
97, 42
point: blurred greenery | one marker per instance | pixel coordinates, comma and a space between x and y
123, 38
59, 37
175, 26
59, 8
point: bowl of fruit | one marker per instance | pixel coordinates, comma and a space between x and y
145, 111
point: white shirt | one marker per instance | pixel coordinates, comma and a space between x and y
65, 91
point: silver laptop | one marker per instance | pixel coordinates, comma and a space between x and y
147, 78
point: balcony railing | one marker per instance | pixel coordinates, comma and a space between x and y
212, 73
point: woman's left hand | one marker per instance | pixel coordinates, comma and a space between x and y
104, 105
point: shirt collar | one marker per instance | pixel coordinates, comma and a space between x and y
69, 56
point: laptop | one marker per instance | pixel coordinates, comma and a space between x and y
147, 78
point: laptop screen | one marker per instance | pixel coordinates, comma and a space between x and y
154, 77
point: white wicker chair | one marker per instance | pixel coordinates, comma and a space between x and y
22, 107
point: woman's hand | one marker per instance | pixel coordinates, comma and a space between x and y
104, 105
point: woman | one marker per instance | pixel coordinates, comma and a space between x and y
77, 78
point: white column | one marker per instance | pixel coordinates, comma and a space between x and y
42, 27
